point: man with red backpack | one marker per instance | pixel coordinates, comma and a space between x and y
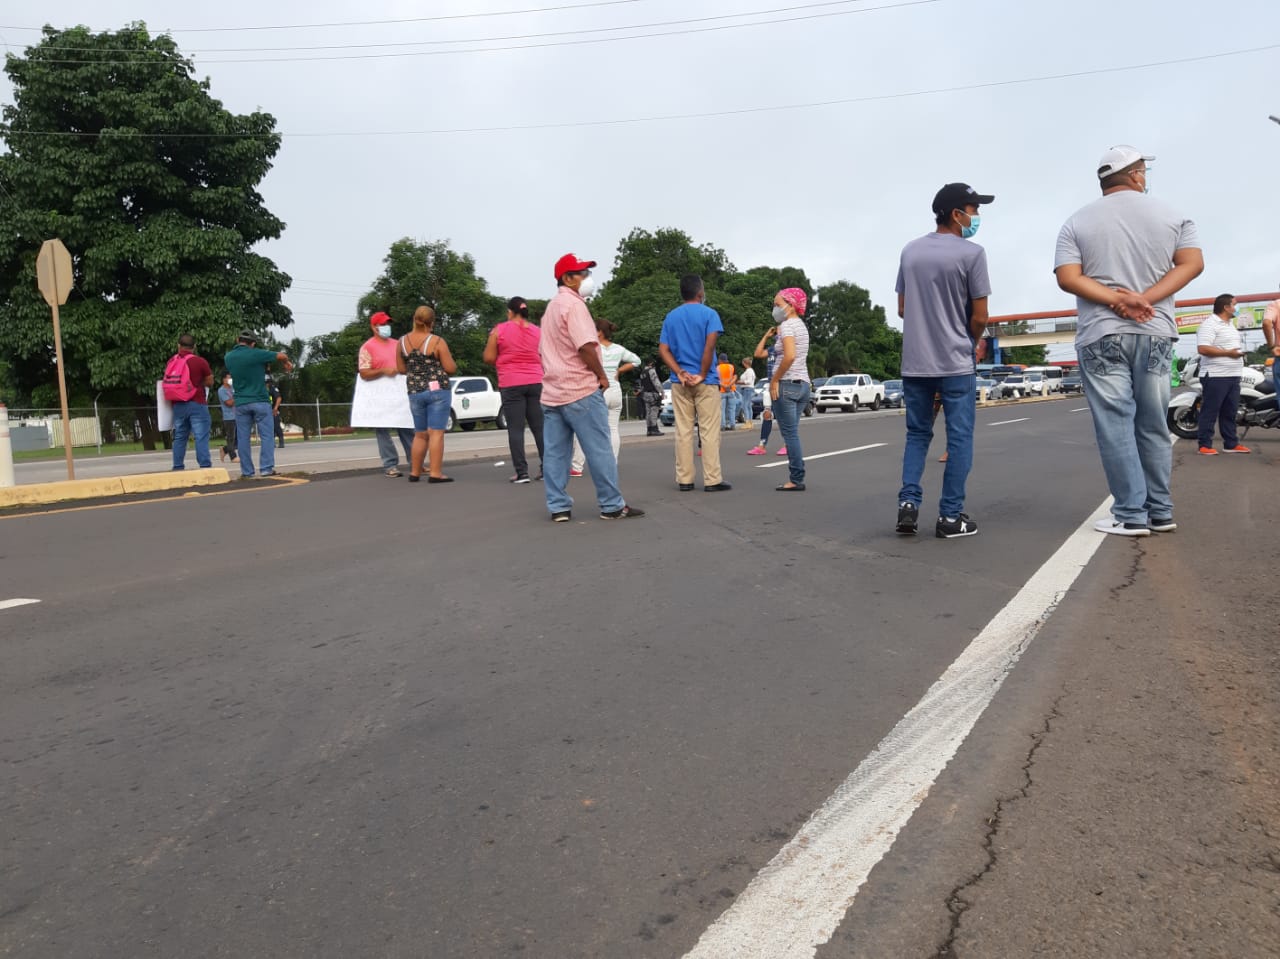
186, 377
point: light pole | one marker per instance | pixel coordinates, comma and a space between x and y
1274, 119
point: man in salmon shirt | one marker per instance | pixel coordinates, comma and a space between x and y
573, 384
377, 359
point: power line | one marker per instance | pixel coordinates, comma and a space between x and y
378, 23
499, 39
843, 101
522, 46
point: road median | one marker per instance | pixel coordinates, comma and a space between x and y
40, 494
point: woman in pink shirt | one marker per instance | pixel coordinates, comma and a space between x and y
513, 349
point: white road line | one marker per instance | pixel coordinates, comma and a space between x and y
1021, 419
796, 902
1080, 410
821, 456
11, 603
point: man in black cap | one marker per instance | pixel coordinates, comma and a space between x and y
248, 367
942, 301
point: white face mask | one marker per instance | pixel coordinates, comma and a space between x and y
587, 287
779, 314
383, 331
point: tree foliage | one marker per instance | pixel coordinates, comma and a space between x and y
846, 330
115, 148
415, 273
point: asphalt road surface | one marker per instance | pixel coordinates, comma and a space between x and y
359, 717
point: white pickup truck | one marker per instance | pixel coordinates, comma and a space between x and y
475, 401
848, 391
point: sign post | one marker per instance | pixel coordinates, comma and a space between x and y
53, 276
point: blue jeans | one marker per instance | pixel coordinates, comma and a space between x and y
1126, 381
728, 409
1219, 400
247, 414
746, 400
588, 420
191, 418
387, 445
430, 409
958, 406
791, 401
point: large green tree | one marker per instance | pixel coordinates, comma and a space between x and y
852, 333
415, 273
118, 150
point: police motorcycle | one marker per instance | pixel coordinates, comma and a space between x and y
1257, 402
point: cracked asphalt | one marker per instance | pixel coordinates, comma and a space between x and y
1121, 796
362, 718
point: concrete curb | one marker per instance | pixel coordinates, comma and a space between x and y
39, 494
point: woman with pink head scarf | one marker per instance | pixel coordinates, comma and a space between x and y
789, 381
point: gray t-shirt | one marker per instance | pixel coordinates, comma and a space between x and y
939, 275
1125, 239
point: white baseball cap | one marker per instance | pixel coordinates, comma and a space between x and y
1119, 157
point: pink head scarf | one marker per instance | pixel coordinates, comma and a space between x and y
796, 297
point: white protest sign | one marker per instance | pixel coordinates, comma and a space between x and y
383, 402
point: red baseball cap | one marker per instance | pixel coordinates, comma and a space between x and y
571, 264
379, 319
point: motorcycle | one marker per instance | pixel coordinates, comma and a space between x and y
1257, 406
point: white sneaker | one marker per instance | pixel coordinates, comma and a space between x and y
1117, 528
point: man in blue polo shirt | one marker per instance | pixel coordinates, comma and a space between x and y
248, 368
687, 345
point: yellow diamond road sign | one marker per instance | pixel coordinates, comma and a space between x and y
53, 272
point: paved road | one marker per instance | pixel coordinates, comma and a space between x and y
362, 718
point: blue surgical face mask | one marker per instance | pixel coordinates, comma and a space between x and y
975, 221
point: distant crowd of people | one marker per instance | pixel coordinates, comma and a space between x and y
1124, 257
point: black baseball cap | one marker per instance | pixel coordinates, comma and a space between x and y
957, 196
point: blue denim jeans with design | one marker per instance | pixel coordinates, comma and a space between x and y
958, 406
792, 398
247, 415
588, 420
1126, 381
191, 419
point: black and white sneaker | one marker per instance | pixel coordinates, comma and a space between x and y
951, 527
627, 512
908, 519
1117, 528
520, 478
1163, 524
562, 517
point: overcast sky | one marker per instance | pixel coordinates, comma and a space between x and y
836, 189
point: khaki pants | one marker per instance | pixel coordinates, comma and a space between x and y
703, 402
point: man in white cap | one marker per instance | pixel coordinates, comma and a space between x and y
1124, 257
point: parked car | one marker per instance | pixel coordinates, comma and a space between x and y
475, 401
666, 415
893, 393
1072, 384
848, 391
1036, 383
1017, 385
988, 385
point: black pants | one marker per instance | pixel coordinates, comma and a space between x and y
1218, 402
229, 433
520, 405
279, 431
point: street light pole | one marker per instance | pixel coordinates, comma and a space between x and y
1274, 119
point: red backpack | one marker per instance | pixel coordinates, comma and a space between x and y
178, 387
